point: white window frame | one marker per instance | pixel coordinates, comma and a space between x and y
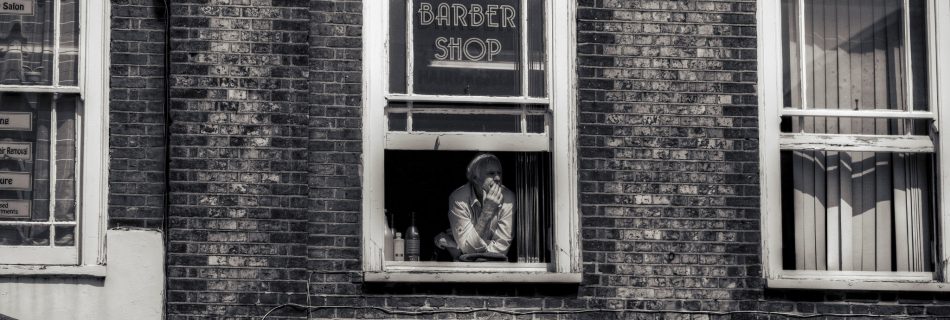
770, 112
561, 78
88, 255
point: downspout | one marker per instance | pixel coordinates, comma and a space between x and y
166, 208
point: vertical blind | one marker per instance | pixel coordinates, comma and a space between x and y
860, 211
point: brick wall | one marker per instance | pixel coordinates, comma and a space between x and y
668, 154
136, 116
237, 226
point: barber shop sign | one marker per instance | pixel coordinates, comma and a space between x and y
457, 21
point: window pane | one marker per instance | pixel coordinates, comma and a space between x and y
25, 142
65, 236
423, 181
12, 235
397, 46
26, 55
65, 208
862, 211
397, 122
69, 42
467, 49
26, 131
851, 125
537, 57
843, 54
466, 122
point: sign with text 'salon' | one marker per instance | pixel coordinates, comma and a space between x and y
24, 7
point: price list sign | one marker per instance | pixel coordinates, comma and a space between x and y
16, 158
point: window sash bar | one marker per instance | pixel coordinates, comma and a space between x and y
512, 111
524, 48
909, 74
801, 55
53, 132
410, 49
465, 99
878, 113
56, 35
857, 143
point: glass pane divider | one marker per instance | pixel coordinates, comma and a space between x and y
874, 113
524, 118
56, 38
410, 53
39, 89
474, 111
524, 49
44, 223
409, 116
466, 99
52, 164
801, 56
909, 76
857, 143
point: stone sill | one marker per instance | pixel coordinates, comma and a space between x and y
93, 271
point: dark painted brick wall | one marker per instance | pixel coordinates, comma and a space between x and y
136, 116
238, 223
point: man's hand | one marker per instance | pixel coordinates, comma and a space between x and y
493, 198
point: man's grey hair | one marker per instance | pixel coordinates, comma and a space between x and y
479, 163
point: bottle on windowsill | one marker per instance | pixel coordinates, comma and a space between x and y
412, 241
399, 248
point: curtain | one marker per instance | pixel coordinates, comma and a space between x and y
861, 211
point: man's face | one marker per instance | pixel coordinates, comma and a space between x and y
489, 176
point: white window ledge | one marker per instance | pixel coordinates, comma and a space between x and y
471, 277
94, 271
863, 285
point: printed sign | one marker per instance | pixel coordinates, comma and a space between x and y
17, 7
16, 151
20, 121
14, 209
10, 180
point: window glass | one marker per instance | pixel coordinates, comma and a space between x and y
30, 169
858, 211
853, 55
26, 52
421, 182
69, 43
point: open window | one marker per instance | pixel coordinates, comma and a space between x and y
52, 107
852, 190
458, 79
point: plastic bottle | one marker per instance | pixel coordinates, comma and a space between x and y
399, 248
388, 239
412, 241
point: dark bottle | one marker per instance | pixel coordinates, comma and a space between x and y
412, 241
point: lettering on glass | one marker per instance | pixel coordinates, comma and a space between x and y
490, 18
10, 180
24, 7
15, 209
16, 151
19, 121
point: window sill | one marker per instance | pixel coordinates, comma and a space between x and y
471, 277
93, 271
867, 281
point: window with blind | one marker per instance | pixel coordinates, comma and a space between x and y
852, 186
47, 102
460, 79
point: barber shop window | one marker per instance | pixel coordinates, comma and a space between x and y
50, 116
466, 141
852, 186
